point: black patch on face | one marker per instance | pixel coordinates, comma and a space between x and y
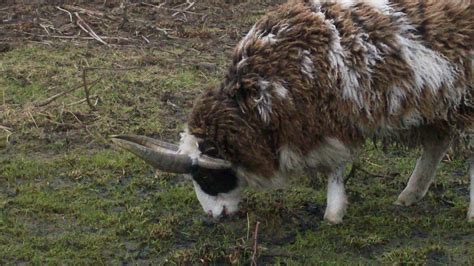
213, 182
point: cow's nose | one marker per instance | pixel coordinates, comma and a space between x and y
218, 214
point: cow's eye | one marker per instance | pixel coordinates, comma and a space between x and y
208, 148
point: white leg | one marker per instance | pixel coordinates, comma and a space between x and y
423, 175
336, 197
470, 212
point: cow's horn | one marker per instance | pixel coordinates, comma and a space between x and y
161, 155
164, 156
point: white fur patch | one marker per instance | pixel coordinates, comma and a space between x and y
371, 52
289, 159
395, 97
189, 145
268, 38
280, 90
307, 66
264, 102
248, 38
329, 154
217, 205
378, 4
349, 77
336, 194
430, 69
336, 197
255, 35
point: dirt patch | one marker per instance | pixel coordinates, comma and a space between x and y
210, 26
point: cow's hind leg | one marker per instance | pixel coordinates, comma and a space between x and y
434, 148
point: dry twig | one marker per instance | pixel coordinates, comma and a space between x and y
69, 13
7, 129
76, 37
32, 118
86, 89
85, 11
81, 101
87, 29
357, 167
54, 97
255, 245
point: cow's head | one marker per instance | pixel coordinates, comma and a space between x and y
216, 183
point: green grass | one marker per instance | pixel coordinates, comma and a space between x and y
68, 196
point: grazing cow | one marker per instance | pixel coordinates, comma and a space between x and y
311, 81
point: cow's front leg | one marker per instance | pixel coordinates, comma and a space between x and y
420, 180
470, 212
336, 197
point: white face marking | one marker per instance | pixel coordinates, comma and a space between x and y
189, 145
215, 205
222, 204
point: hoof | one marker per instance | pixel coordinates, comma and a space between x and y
408, 198
334, 217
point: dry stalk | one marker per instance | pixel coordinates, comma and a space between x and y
87, 29
86, 89
80, 101
7, 129
69, 13
54, 97
85, 11
255, 246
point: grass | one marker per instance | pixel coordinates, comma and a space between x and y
68, 196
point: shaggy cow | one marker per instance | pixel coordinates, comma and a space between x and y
311, 81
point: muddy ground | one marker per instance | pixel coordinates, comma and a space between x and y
72, 74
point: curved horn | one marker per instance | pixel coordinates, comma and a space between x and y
148, 142
160, 155
164, 156
213, 163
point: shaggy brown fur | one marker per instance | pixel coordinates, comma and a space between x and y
311, 70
